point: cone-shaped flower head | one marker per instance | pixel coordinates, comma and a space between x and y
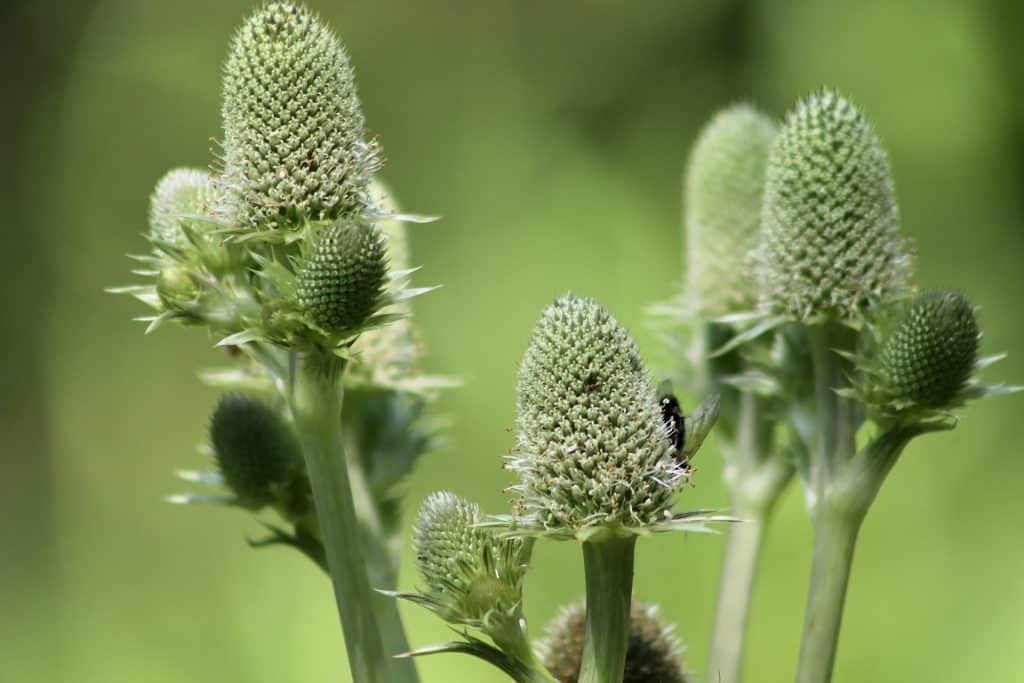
653, 654
180, 194
341, 281
931, 353
593, 450
293, 128
472, 575
830, 234
256, 451
724, 189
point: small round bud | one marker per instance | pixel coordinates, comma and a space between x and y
830, 242
341, 281
293, 128
592, 448
457, 559
724, 188
256, 451
653, 654
175, 286
931, 353
180, 193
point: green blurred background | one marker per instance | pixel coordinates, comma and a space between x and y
551, 137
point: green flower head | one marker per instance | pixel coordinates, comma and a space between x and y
830, 238
724, 188
256, 451
593, 451
180, 194
340, 283
473, 576
293, 127
653, 654
931, 354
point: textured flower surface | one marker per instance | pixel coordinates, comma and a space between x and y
341, 282
294, 144
830, 226
256, 452
653, 654
724, 189
592, 450
472, 575
180, 194
930, 355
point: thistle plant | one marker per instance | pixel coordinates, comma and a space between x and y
846, 364
595, 461
798, 321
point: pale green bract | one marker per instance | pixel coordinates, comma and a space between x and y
831, 244
724, 188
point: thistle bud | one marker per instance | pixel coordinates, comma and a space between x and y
180, 193
341, 281
831, 243
930, 355
293, 128
175, 286
593, 450
653, 654
256, 451
471, 574
724, 188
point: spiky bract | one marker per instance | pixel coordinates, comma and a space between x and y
930, 355
472, 575
341, 281
724, 188
179, 197
653, 654
294, 144
592, 448
256, 451
830, 235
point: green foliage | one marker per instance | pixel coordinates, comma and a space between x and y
341, 281
256, 452
724, 188
592, 448
653, 654
831, 243
293, 128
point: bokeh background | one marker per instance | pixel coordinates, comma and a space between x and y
551, 136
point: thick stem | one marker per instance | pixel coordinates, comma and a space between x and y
608, 563
756, 477
316, 406
728, 638
835, 414
834, 539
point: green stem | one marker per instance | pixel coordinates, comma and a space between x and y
513, 640
608, 563
834, 539
756, 477
316, 406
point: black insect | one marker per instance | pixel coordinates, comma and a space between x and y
675, 422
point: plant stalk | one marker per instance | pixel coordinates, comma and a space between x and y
834, 539
315, 400
756, 477
608, 564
